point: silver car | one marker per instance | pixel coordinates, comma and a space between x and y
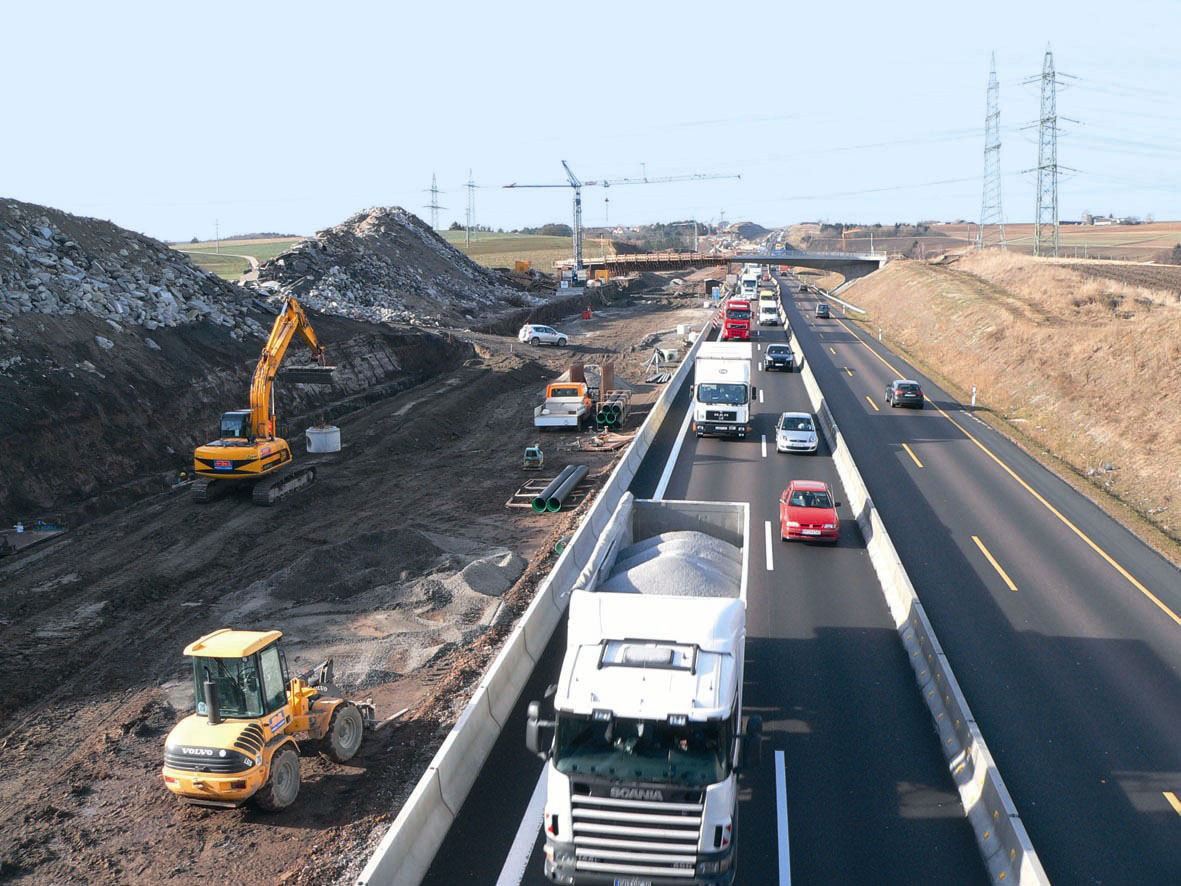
536, 334
796, 432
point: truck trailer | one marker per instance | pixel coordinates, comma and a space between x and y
723, 395
648, 736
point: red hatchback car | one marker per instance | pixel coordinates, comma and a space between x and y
808, 511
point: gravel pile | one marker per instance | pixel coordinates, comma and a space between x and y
52, 262
385, 264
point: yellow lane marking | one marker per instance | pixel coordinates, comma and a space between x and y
995, 564
871, 403
849, 371
1053, 510
1173, 801
912, 455
831, 351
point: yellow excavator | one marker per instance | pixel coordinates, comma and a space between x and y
241, 744
249, 448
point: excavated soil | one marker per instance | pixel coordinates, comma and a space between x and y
401, 562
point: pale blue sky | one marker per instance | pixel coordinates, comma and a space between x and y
290, 116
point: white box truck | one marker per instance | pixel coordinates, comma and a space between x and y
722, 391
643, 754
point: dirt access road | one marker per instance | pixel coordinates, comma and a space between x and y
402, 562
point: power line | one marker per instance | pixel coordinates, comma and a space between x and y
471, 211
991, 209
1045, 225
434, 206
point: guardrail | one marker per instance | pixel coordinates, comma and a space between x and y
1004, 844
405, 853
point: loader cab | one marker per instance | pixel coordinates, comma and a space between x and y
247, 669
236, 425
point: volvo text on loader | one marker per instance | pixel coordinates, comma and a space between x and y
249, 448
241, 743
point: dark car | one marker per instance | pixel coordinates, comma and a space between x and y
822, 310
904, 392
779, 357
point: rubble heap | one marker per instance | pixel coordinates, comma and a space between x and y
52, 262
385, 264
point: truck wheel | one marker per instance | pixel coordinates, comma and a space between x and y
535, 341
345, 731
282, 787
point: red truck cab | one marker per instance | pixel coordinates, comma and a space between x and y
736, 320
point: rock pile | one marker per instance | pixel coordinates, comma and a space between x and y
52, 262
386, 264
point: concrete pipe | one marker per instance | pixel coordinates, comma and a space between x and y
543, 497
554, 503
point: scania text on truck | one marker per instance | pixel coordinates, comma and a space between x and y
736, 320
722, 389
647, 741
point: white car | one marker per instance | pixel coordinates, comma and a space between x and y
542, 335
796, 432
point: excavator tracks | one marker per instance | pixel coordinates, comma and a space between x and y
269, 490
204, 490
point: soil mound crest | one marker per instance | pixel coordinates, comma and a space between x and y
385, 264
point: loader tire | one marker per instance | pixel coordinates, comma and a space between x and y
282, 787
345, 733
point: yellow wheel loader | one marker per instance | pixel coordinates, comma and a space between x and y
249, 448
241, 743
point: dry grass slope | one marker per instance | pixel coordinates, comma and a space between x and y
1088, 367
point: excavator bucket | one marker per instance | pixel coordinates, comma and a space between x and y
308, 375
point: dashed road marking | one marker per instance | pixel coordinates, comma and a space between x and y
995, 564
914, 457
871, 403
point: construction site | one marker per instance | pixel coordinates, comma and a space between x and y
406, 561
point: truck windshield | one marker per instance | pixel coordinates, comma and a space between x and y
239, 693
643, 750
730, 394
737, 313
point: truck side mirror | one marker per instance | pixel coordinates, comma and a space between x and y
754, 391
534, 739
752, 742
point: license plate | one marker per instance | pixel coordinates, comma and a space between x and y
811, 531
223, 465
631, 881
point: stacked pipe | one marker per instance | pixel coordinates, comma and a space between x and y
542, 498
613, 409
554, 502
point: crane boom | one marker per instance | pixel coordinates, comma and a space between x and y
578, 185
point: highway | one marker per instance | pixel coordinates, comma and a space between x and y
1061, 625
866, 790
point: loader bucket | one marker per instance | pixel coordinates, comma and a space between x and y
308, 375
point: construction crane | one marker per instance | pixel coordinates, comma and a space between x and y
577, 185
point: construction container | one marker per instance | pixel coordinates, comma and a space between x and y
325, 438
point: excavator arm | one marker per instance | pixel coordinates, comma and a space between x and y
291, 321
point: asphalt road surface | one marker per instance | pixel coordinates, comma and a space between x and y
868, 794
1062, 627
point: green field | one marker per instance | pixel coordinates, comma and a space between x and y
501, 250
206, 256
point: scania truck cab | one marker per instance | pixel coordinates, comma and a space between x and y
643, 753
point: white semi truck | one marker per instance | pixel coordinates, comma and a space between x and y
723, 395
643, 754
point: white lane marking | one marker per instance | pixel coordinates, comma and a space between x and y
758, 347
673, 454
781, 807
517, 862
767, 540
764, 445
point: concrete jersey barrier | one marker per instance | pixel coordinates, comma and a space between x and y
1004, 844
405, 853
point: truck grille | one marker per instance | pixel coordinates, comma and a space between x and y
720, 415
642, 838
188, 762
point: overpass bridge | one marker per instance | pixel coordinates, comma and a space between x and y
849, 264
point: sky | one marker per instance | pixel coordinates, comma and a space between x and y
179, 119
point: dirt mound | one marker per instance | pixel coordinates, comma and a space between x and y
747, 230
55, 263
386, 264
